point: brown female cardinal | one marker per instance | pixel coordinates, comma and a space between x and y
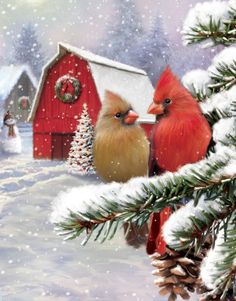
121, 151
181, 135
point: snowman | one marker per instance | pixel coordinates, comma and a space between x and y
10, 141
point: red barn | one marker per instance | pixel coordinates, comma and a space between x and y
74, 77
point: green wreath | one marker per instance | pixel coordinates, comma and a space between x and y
24, 102
62, 85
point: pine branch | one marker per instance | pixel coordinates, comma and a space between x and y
224, 77
214, 32
219, 106
215, 115
199, 95
218, 37
183, 233
197, 82
219, 269
136, 200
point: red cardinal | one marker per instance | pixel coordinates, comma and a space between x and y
180, 136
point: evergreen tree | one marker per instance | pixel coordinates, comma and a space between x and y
201, 235
27, 49
80, 160
152, 52
123, 32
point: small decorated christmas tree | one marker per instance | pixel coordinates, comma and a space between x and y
80, 160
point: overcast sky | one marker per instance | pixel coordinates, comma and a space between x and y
80, 22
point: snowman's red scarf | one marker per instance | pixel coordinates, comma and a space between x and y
11, 130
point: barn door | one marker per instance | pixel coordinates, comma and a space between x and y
56, 147
61, 145
66, 143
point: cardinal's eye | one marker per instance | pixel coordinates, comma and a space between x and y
167, 101
118, 115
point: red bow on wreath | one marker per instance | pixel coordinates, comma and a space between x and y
67, 87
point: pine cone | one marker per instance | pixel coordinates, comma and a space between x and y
177, 272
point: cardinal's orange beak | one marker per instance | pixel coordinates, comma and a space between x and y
156, 109
131, 117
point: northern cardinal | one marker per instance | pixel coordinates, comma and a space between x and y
121, 151
181, 135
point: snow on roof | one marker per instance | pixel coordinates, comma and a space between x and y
9, 76
135, 88
130, 83
94, 58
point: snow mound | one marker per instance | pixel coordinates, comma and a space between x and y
197, 81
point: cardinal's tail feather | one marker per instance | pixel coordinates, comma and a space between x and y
153, 167
152, 164
156, 241
154, 231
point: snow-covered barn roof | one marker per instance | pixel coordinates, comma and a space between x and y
9, 76
131, 83
97, 59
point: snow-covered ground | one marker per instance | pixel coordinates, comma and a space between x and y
37, 265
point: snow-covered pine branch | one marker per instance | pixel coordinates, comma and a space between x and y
89, 207
212, 20
221, 75
220, 102
190, 220
223, 69
219, 267
205, 85
197, 82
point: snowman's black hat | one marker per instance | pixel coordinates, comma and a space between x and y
7, 116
